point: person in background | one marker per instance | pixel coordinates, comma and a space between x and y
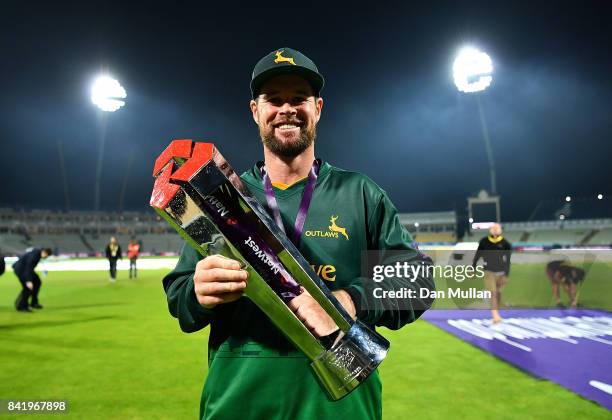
113, 253
562, 273
133, 252
2, 264
30, 282
495, 251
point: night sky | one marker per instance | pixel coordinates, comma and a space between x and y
391, 108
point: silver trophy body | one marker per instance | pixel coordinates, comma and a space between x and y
198, 193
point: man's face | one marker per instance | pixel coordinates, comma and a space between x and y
287, 114
495, 230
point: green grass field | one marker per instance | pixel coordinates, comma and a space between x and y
113, 351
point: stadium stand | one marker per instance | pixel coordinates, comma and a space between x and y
11, 243
557, 236
431, 227
68, 243
435, 238
552, 233
84, 233
87, 233
602, 236
578, 208
514, 237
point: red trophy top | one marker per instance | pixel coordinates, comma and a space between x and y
192, 155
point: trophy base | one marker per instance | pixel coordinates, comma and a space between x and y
350, 361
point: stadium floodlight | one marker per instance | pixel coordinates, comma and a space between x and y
472, 70
599, 196
108, 94
568, 198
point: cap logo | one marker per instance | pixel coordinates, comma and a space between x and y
279, 58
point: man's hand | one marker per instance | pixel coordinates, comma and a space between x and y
218, 280
345, 300
29, 285
308, 310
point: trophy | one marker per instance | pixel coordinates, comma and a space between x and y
198, 193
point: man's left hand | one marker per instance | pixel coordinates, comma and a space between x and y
308, 310
345, 300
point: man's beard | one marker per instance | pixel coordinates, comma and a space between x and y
289, 149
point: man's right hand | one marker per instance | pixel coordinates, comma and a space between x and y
218, 280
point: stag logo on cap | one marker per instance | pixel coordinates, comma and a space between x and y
280, 59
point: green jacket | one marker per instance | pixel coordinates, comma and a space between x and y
254, 372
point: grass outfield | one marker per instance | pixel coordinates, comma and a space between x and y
114, 351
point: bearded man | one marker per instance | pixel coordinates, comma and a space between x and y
331, 215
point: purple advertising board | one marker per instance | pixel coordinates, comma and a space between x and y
570, 347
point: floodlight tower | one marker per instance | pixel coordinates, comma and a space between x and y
108, 95
473, 73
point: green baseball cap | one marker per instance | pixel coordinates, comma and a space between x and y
286, 61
